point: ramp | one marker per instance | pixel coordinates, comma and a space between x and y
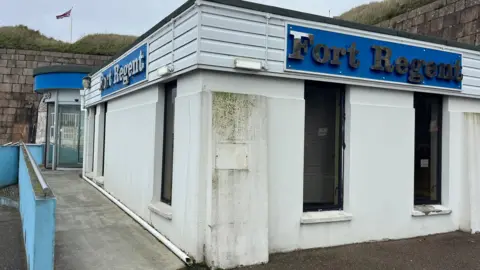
93, 233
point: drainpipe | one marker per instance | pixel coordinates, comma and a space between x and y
180, 254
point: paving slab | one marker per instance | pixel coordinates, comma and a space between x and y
12, 251
93, 233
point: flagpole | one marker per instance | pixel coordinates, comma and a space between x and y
71, 22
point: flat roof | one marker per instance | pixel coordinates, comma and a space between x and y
62, 69
297, 15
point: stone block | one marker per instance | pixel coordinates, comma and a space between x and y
19, 57
22, 79
28, 71
16, 88
56, 54
11, 51
29, 80
9, 110
12, 63
10, 78
412, 14
27, 88
43, 64
40, 58
49, 59
17, 71
469, 14
14, 103
446, 10
3, 50
460, 5
431, 15
32, 64
45, 53
99, 62
4, 103
470, 39
5, 70
72, 60
67, 55
419, 19
30, 57
436, 25
6, 56
469, 3
467, 29
21, 64
79, 61
3, 63
90, 62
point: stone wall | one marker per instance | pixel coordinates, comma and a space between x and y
19, 104
456, 20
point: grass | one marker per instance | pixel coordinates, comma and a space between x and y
376, 12
22, 37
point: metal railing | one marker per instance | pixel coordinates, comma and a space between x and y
45, 188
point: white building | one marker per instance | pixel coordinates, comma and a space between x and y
238, 130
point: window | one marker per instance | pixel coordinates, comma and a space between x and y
104, 136
168, 137
323, 147
428, 139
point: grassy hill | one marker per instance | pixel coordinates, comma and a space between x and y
22, 37
376, 12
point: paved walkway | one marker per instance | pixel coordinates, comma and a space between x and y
93, 233
453, 251
12, 252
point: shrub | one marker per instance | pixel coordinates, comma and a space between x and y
22, 37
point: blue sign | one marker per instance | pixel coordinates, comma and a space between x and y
130, 70
318, 51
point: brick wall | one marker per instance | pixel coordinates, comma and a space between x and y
456, 20
19, 105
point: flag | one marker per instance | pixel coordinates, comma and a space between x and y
64, 15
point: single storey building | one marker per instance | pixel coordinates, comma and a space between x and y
236, 130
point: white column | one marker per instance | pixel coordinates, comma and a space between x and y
89, 133
99, 141
238, 194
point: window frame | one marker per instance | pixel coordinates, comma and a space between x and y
437, 201
169, 87
319, 207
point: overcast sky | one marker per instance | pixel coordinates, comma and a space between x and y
124, 17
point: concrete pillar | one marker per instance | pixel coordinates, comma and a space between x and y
237, 198
89, 133
99, 141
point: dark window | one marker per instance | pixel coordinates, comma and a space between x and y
170, 95
104, 136
428, 139
323, 147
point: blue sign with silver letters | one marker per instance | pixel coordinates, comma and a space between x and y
319, 51
129, 70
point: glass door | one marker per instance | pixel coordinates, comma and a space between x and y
70, 142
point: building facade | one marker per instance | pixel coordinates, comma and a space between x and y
237, 130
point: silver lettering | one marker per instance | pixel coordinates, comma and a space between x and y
116, 75
141, 65
301, 41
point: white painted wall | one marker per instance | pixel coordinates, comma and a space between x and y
188, 198
129, 149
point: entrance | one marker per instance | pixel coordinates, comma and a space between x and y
68, 144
